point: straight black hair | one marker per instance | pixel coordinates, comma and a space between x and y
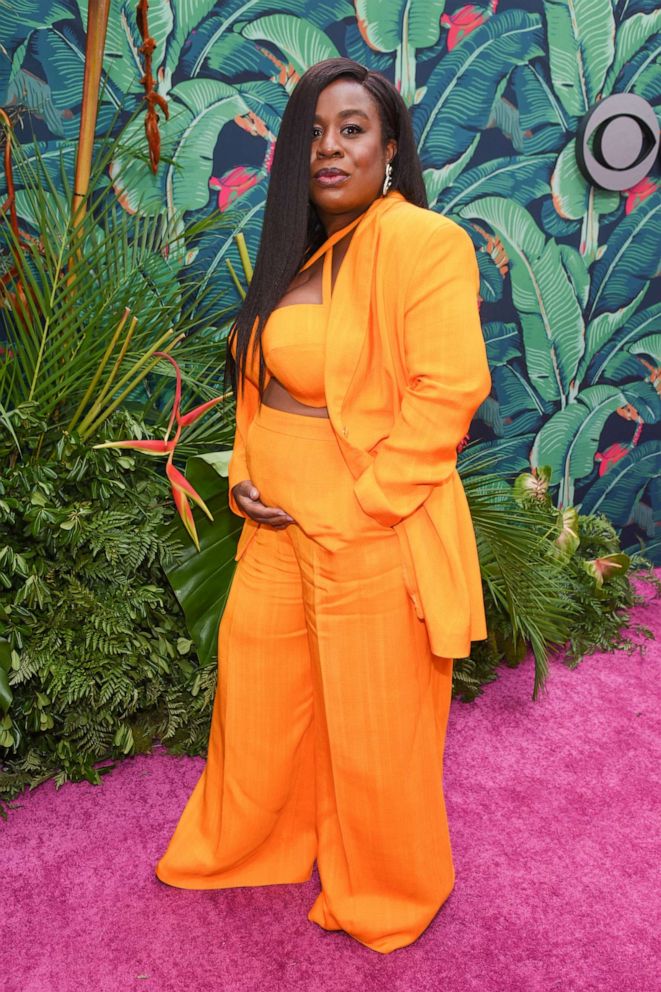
291, 229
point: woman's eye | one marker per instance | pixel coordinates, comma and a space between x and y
353, 128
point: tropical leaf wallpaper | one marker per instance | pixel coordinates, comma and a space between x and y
496, 90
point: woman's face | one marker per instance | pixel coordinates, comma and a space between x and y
346, 139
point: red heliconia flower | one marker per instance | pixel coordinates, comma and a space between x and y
193, 415
465, 20
233, 185
609, 456
182, 490
638, 193
180, 483
460, 24
186, 514
149, 447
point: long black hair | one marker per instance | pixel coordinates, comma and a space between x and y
291, 229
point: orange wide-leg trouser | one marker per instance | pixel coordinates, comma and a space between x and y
329, 719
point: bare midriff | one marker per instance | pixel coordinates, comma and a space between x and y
276, 395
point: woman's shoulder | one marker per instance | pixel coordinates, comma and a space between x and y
408, 226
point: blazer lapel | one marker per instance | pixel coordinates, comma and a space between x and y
348, 314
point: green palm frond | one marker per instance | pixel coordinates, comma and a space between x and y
527, 586
84, 309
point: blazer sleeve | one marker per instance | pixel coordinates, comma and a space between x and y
448, 378
237, 469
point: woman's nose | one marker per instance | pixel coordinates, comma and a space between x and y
328, 143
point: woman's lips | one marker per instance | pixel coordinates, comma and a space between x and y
335, 179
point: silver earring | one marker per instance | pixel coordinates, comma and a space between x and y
388, 180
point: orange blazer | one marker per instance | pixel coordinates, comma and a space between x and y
406, 369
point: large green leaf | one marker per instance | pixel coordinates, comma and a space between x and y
199, 110
508, 456
121, 57
514, 392
462, 86
412, 22
6, 694
650, 345
628, 263
642, 395
544, 122
188, 16
639, 325
356, 48
62, 55
201, 579
521, 177
572, 195
632, 35
401, 26
569, 440
214, 44
437, 180
581, 39
640, 74
303, 44
543, 293
503, 342
24, 16
615, 493
26, 90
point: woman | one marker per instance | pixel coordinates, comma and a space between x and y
357, 560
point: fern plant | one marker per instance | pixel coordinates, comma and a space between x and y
100, 664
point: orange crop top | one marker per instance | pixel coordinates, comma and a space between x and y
294, 339
294, 336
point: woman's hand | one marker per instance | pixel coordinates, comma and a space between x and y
247, 498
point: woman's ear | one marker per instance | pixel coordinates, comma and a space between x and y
391, 149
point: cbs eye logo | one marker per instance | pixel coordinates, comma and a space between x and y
617, 142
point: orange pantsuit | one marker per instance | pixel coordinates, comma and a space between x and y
330, 714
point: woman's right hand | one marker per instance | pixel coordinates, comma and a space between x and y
247, 499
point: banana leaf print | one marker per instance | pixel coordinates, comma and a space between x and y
615, 493
569, 440
545, 124
575, 199
521, 178
622, 275
302, 43
463, 85
401, 26
496, 92
199, 110
641, 324
122, 60
217, 43
543, 294
632, 36
581, 40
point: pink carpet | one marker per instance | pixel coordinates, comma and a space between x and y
556, 842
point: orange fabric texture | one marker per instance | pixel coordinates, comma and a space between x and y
294, 341
329, 720
405, 369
